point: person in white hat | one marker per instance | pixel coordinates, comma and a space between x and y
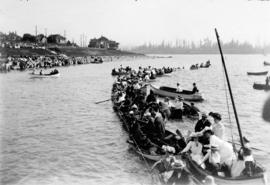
226, 152
213, 157
196, 149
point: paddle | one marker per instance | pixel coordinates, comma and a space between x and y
238, 144
102, 101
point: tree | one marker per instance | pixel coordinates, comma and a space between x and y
28, 38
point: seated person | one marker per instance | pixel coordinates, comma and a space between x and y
226, 152
212, 160
247, 156
195, 147
177, 109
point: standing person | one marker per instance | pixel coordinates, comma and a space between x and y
178, 88
218, 127
267, 81
195, 89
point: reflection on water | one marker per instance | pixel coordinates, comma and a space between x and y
52, 132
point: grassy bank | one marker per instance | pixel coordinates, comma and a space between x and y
67, 51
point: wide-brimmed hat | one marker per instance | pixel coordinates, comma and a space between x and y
180, 98
147, 114
245, 140
207, 129
203, 114
131, 112
214, 147
194, 135
134, 106
215, 115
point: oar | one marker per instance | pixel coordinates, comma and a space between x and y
102, 101
238, 144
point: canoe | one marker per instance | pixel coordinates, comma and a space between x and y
45, 75
257, 73
171, 92
261, 86
200, 174
266, 63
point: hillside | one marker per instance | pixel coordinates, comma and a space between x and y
69, 51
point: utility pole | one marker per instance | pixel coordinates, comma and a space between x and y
36, 30
36, 34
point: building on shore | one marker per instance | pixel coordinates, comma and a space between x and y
103, 43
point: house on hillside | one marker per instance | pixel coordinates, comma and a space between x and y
56, 39
103, 43
41, 39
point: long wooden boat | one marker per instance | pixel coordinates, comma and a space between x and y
257, 73
266, 63
171, 92
45, 75
261, 86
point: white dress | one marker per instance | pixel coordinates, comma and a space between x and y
219, 131
196, 151
225, 150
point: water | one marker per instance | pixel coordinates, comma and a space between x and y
52, 132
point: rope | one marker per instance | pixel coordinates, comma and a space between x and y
228, 109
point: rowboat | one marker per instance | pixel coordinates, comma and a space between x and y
266, 63
257, 73
171, 92
261, 86
200, 174
45, 75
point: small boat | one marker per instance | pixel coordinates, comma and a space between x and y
44, 75
201, 173
206, 65
266, 63
261, 86
257, 73
171, 92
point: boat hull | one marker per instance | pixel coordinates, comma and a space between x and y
266, 63
45, 76
261, 86
257, 73
200, 174
187, 97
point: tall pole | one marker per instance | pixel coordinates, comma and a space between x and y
230, 90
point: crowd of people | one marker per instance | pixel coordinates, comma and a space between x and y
148, 72
146, 117
36, 62
202, 65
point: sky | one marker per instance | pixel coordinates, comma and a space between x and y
135, 22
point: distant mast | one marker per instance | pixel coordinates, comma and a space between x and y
230, 90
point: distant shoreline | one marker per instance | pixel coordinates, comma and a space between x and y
68, 51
